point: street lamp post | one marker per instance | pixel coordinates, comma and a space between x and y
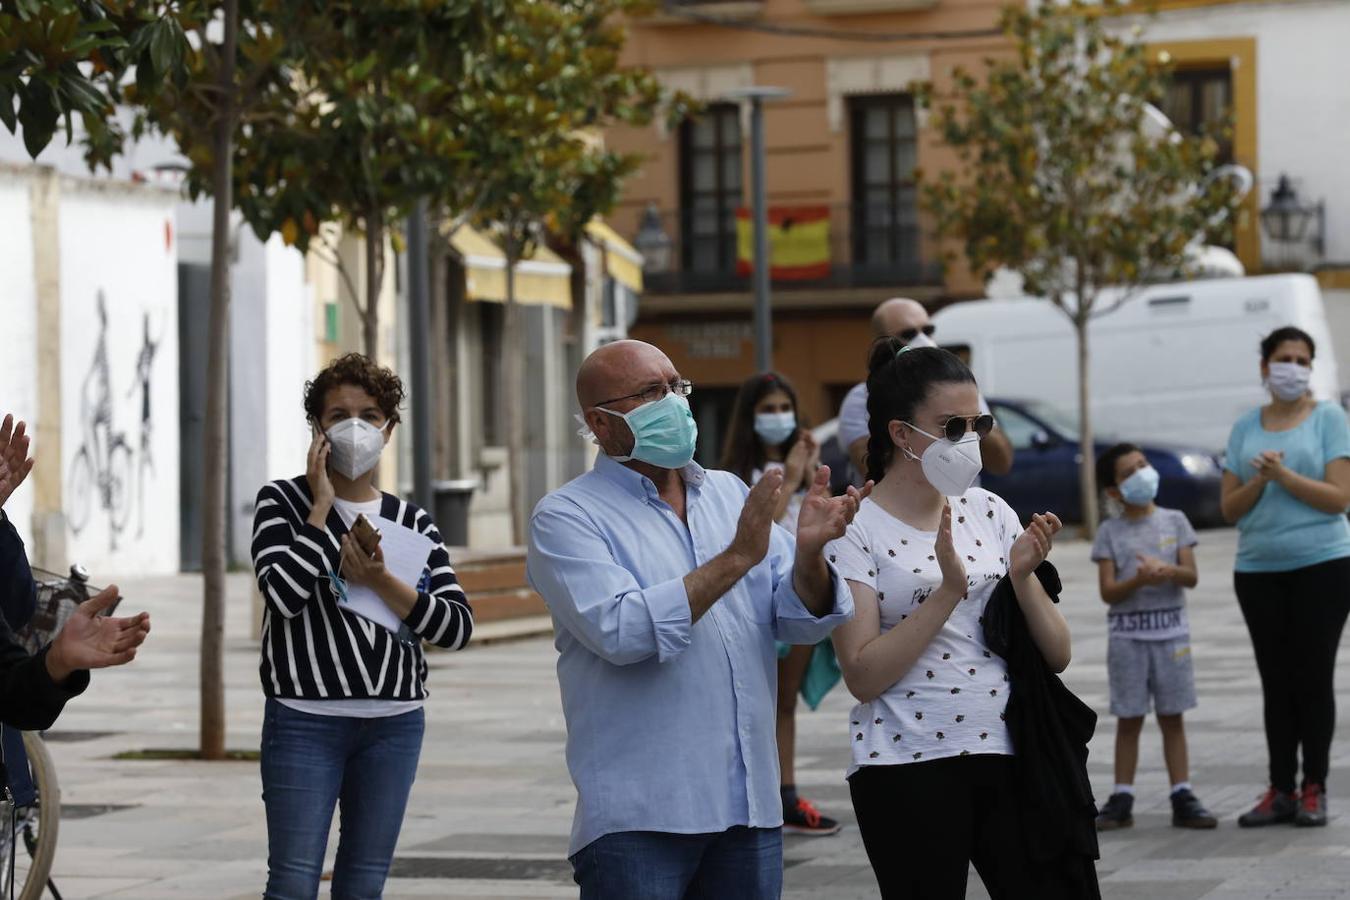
419, 333
763, 321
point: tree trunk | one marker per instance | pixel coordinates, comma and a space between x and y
513, 395
1087, 471
217, 392
370, 314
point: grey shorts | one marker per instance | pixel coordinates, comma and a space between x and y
1144, 670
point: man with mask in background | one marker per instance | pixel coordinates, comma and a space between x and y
668, 585
907, 321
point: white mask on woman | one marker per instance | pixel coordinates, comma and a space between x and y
951, 467
1288, 380
356, 446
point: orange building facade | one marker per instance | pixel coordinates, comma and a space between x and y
842, 156
842, 153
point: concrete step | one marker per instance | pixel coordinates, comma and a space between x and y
496, 586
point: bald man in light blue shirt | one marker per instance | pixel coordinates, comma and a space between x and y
668, 585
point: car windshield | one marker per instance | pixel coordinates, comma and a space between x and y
1058, 419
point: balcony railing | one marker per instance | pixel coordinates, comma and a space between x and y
839, 246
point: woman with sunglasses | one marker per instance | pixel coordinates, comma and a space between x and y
907, 321
766, 434
931, 779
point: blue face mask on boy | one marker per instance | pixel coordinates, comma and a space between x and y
1141, 487
664, 432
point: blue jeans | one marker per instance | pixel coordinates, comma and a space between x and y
744, 863
312, 763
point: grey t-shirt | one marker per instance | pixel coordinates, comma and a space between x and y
1155, 611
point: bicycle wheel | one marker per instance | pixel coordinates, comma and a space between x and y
36, 828
119, 483
80, 491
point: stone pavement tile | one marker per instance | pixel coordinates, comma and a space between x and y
1189, 889
91, 886
554, 845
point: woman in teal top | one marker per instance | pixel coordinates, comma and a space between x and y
1286, 484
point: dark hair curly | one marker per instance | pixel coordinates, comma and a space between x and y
1271, 342
1106, 464
360, 371
743, 452
897, 382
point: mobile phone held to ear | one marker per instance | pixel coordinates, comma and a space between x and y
367, 535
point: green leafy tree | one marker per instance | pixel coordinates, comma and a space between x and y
63, 58
533, 101
231, 76
372, 125
1065, 178
206, 73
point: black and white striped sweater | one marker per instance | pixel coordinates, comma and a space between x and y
313, 648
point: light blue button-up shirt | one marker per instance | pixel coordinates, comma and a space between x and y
670, 725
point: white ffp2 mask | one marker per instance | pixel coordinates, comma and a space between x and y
951, 467
356, 447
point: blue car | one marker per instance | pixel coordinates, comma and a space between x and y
1044, 475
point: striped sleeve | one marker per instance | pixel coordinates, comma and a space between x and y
288, 563
441, 615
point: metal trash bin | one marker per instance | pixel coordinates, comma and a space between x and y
450, 502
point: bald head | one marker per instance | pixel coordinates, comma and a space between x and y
897, 315
620, 369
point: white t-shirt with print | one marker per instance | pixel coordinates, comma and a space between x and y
951, 702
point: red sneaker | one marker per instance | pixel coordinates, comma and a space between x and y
806, 819
1312, 807
1274, 808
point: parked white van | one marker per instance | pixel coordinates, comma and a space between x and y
1176, 364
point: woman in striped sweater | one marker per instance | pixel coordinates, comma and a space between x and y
344, 717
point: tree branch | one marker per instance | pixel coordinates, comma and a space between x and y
336, 262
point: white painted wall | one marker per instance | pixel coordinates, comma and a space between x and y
119, 242
18, 307
1303, 94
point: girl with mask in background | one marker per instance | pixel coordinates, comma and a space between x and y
766, 434
343, 723
932, 779
1286, 484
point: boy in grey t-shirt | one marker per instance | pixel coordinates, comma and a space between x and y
1145, 558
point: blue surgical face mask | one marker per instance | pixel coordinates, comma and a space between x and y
1141, 487
664, 433
774, 428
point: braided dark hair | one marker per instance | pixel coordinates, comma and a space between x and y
897, 382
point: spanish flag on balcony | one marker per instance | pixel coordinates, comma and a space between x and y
799, 242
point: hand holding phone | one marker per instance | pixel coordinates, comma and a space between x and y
367, 536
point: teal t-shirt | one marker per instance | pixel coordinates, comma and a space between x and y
1281, 533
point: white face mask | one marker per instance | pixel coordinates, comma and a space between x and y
950, 467
921, 340
1288, 380
356, 447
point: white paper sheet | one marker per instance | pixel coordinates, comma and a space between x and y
405, 556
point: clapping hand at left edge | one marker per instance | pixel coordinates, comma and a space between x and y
15, 463
90, 640
824, 518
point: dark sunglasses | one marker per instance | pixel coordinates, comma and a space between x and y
910, 334
956, 427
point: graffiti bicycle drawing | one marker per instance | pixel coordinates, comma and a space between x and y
103, 467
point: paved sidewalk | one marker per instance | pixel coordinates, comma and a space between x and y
490, 813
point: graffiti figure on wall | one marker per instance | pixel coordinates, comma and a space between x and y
144, 363
102, 467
